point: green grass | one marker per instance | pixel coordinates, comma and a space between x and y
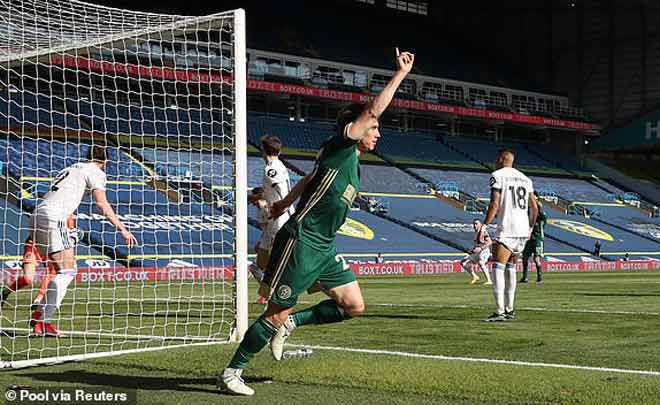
436, 315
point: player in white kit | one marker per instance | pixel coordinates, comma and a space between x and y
276, 186
480, 253
512, 201
49, 231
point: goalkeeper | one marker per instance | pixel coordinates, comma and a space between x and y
534, 246
304, 249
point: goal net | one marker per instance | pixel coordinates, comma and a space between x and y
165, 95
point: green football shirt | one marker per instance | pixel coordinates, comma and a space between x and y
328, 197
537, 232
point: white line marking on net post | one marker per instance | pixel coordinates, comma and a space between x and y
481, 360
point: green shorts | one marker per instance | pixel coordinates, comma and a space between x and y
533, 247
294, 267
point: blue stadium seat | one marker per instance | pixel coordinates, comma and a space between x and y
14, 232
443, 220
474, 183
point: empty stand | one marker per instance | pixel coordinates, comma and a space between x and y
474, 183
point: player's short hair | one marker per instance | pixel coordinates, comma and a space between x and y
504, 151
271, 145
476, 220
349, 114
97, 153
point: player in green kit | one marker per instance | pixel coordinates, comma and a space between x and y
534, 246
304, 249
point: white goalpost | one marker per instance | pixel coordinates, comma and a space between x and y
165, 95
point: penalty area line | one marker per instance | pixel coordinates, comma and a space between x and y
480, 360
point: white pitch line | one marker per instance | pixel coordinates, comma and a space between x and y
481, 360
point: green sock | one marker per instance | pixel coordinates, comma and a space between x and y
539, 271
324, 312
255, 339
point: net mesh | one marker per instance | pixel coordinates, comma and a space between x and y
157, 92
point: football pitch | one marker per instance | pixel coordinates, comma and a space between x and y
578, 338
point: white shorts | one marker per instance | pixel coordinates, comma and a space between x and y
516, 245
50, 235
481, 257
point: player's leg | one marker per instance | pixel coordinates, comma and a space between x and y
261, 264
483, 259
467, 265
50, 273
538, 254
501, 256
73, 237
31, 259
286, 277
342, 287
510, 278
256, 338
60, 247
340, 284
526, 254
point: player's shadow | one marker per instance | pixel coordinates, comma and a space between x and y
182, 384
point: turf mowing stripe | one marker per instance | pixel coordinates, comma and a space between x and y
480, 360
539, 309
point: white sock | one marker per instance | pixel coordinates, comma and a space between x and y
467, 266
498, 286
510, 291
55, 294
485, 270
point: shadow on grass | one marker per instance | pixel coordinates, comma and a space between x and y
182, 384
142, 383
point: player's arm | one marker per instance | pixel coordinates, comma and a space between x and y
493, 206
282, 205
487, 242
104, 208
532, 210
369, 116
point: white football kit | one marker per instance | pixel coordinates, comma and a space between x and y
276, 185
513, 227
480, 237
48, 221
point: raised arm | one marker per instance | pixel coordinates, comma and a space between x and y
372, 112
279, 207
104, 208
